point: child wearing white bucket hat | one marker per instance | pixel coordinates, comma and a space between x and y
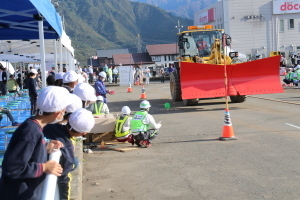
70, 80
25, 161
100, 108
80, 122
75, 105
59, 78
86, 93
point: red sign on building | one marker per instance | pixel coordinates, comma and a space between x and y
207, 16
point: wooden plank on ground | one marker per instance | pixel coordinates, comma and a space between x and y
122, 149
119, 146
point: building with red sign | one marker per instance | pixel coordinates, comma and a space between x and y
256, 26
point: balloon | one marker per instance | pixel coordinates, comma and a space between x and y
167, 105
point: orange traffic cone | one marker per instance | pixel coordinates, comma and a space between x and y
228, 133
102, 145
143, 95
129, 89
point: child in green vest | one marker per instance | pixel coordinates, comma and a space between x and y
100, 108
296, 74
122, 128
288, 79
143, 126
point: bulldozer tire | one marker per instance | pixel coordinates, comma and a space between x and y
190, 102
175, 87
238, 98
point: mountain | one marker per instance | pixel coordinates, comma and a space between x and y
111, 24
183, 8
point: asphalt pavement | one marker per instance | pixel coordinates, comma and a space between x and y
187, 161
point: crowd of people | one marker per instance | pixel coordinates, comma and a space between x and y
140, 74
90, 74
63, 110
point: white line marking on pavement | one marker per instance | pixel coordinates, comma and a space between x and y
293, 125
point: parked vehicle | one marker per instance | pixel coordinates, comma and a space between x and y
206, 69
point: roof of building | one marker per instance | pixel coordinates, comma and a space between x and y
132, 58
162, 49
110, 52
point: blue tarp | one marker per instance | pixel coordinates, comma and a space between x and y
17, 19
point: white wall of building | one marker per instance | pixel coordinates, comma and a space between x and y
164, 60
254, 25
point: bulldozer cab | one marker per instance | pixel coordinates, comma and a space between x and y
197, 42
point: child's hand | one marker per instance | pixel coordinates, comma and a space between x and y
54, 144
52, 167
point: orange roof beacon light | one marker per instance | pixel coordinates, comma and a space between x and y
200, 27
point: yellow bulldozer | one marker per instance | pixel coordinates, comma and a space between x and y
207, 68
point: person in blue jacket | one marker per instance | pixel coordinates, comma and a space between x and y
80, 122
100, 87
32, 85
25, 164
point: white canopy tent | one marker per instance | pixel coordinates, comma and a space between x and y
8, 66
28, 51
29, 58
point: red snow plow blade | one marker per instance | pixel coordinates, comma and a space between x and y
207, 80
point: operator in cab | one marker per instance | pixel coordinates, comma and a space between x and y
201, 44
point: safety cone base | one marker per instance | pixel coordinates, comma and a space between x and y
227, 138
143, 96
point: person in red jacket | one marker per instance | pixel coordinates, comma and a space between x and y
201, 44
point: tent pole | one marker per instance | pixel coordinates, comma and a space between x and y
66, 57
42, 51
21, 71
55, 56
60, 57
69, 63
73, 62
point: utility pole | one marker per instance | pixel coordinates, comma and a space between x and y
139, 43
179, 26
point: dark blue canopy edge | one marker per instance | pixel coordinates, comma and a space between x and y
19, 20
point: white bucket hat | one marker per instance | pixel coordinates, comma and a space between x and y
70, 76
59, 75
33, 71
75, 105
85, 92
82, 121
53, 99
